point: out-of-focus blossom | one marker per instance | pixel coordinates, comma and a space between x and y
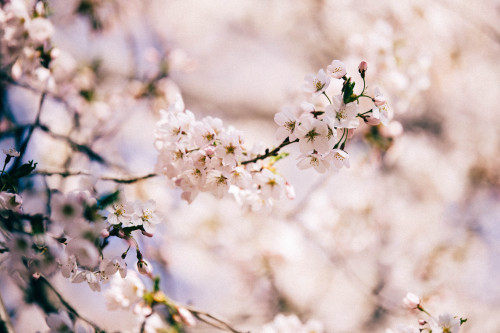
445, 323
65, 208
411, 301
186, 316
85, 252
124, 292
40, 30
59, 322
291, 323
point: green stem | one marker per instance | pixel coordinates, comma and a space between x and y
329, 100
337, 144
4, 165
423, 310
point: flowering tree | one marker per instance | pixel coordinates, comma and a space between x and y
82, 207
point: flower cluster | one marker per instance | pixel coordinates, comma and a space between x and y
73, 237
25, 46
205, 156
444, 323
88, 237
322, 134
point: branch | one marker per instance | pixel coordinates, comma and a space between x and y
68, 306
213, 321
273, 152
65, 174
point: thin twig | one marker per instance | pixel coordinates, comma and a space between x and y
24, 144
212, 320
65, 174
68, 306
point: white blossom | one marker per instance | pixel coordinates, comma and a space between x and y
314, 134
291, 323
336, 69
124, 292
342, 115
316, 84
445, 323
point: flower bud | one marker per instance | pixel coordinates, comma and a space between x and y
40, 8
290, 191
371, 120
144, 268
104, 233
363, 66
55, 53
186, 316
411, 301
422, 322
379, 100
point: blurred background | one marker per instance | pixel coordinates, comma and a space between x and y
417, 211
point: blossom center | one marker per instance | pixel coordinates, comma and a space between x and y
318, 84
341, 114
311, 135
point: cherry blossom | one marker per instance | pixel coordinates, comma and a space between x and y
316, 84
336, 69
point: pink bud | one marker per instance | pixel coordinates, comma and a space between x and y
350, 133
379, 100
40, 8
16, 70
363, 66
290, 191
372, 121
210, 150
147, 234
186, 316
411, 301
144, 268
121, 233
104, 233
55, 53
422, 322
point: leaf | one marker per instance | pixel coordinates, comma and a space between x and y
348, 91
108, 199
24, 170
